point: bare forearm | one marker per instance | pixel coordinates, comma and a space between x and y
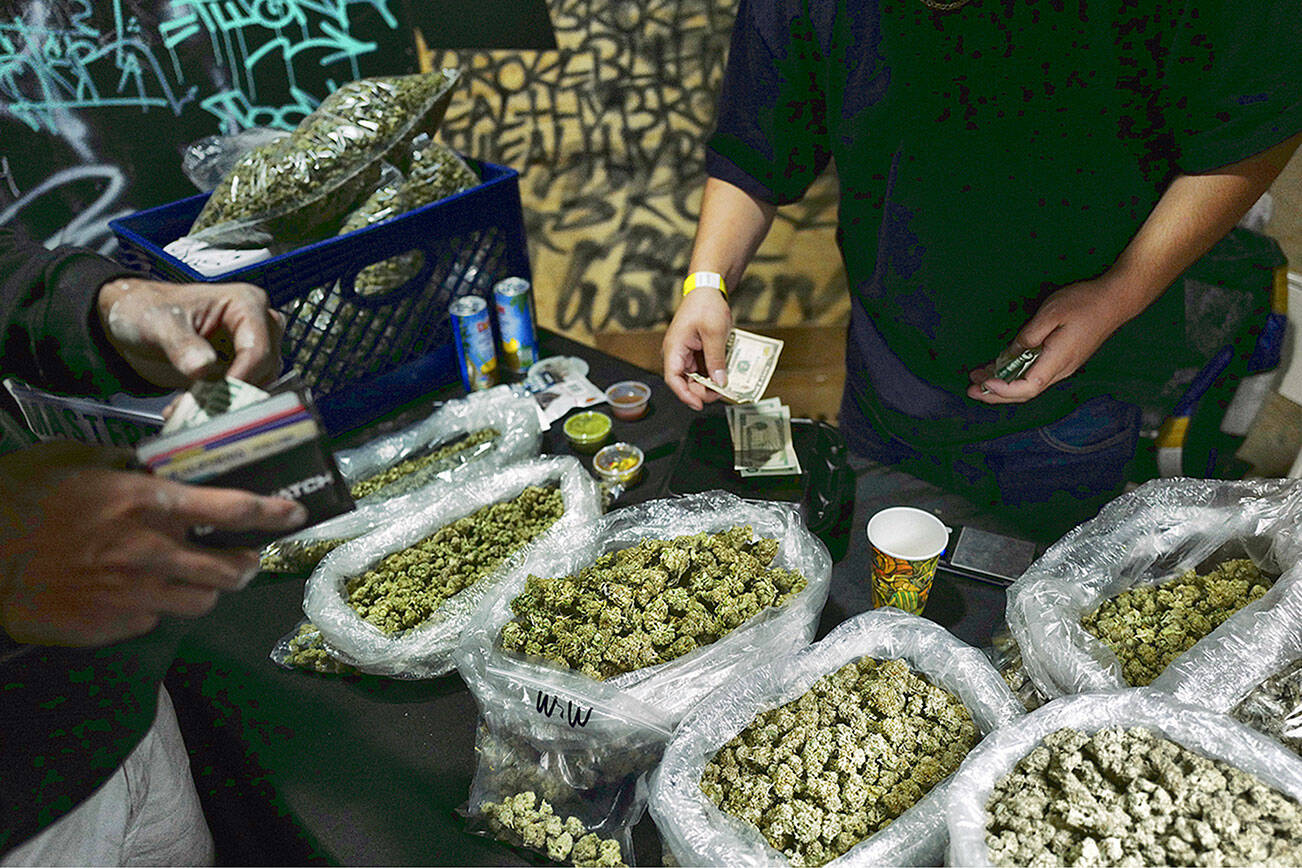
1191, 216
731, 227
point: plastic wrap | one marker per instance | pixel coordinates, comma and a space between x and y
1148, 536
697, 832
519, 438
1213, 735
1225, 670
1006, 657
206, 161
1275, 706
285, 190
514, 416
424, 651
589, 744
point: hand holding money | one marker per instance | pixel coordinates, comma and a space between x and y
750, 360
1013, 363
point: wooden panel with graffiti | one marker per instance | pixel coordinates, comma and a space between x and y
609, 133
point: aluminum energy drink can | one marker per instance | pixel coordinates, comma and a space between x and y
474, 336
513, 299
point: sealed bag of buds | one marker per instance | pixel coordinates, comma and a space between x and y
286, 190
836, 753
1157, 572
1125, 777
396, 601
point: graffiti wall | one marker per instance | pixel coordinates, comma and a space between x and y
608, 132
99, 97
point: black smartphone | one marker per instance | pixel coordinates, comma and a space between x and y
988, 557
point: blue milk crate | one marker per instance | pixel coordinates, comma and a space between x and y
365, 354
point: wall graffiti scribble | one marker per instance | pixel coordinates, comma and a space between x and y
99, 97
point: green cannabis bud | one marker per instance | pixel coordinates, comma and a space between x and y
307, 651
406, 587
825, 771
525, 820
1148, 626
1127, 796
650, 603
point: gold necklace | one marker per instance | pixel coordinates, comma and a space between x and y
940, 6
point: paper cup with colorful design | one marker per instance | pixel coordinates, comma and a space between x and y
907, 544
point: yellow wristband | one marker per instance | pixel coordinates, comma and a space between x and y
698, 279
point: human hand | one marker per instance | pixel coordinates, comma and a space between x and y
696, 343
1069, 327
174, 334
91, 553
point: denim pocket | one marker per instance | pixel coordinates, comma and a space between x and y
1097, 425
1074, 464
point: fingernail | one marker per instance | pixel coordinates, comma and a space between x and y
294, 516
719, 376
246, 577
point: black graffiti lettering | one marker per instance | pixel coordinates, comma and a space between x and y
573, 714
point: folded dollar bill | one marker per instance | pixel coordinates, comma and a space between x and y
750, 360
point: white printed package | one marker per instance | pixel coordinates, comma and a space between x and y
274, 447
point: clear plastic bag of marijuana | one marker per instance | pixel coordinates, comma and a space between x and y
462, 440
1178, 530
284, 192
207, 160
591, 740
1251, 668
1203, 732
697, 832
480, 562
440, 445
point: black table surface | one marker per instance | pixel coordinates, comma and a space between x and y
296, 768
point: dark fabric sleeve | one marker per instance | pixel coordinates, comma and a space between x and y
1234, 74
771, 134
49, 331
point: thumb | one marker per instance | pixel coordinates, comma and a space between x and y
713, 348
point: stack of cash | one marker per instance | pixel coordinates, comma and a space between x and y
761, 439
760, 429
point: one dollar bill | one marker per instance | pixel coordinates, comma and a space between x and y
750, 361
761, 439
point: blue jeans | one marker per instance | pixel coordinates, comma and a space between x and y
1051, 478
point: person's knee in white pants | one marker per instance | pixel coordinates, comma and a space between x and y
147, 813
